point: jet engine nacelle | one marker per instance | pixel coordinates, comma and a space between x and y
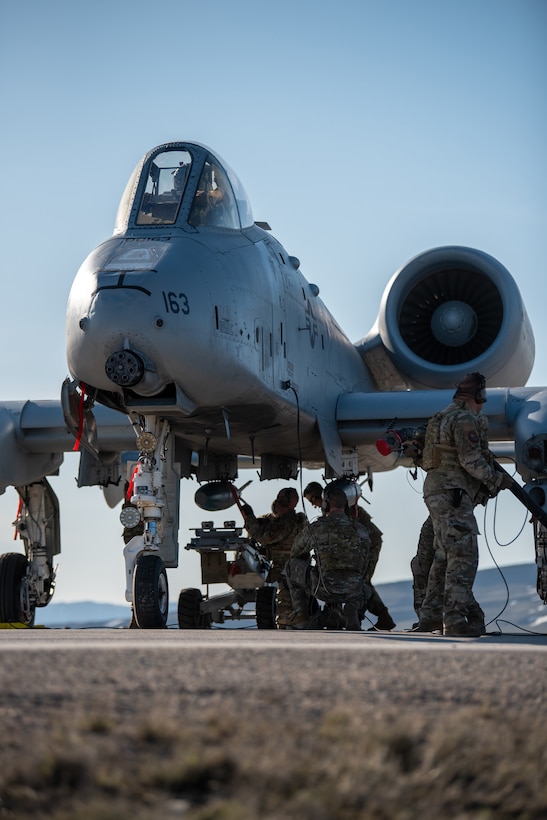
447, 312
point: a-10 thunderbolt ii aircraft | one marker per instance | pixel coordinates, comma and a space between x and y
193, 340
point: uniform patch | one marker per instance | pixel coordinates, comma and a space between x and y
473, 437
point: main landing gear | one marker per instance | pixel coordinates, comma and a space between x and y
150, 520
28, 581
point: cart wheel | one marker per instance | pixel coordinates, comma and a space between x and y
189, 610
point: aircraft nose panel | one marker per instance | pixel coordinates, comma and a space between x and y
124, 368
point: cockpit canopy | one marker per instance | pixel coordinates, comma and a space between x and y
184, 184
166, 180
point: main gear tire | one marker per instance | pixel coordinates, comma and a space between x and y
265, 608
150, 592
14, 604
189, 610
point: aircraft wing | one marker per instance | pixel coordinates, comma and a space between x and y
34, 436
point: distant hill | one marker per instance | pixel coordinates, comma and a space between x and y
82, 614
507, 596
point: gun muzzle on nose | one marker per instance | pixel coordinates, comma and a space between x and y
124, 368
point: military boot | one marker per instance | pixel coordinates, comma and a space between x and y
351, 618
479, 628
331, 617
477, 624
425, 625
299, 620
385, 622
462, 629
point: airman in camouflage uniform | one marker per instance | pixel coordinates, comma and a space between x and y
460, 473
375, 605
421, 563
341, 546
275, 532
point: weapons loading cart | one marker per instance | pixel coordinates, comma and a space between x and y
245, 571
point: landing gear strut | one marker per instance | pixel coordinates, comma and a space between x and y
28, 581
150, 520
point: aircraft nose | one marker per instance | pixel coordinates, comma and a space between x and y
124, 368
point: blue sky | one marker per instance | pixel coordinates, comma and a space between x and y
364, 133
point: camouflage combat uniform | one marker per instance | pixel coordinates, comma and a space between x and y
420, 567
421, 563
276, 534
375, 605
460, 474
375, 537
342, 547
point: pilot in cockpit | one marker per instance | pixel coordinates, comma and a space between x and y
214, 203
179, 177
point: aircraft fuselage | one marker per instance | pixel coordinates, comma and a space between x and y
214, 328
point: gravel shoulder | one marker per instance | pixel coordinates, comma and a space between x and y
254, 725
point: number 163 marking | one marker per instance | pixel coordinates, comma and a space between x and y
176, 303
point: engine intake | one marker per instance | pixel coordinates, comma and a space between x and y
449, 311
451, 317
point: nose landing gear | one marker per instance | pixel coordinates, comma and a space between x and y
152, 499
150, 592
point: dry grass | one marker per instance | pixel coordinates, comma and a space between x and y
176, 741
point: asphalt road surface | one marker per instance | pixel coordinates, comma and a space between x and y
29, 640
426, 670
